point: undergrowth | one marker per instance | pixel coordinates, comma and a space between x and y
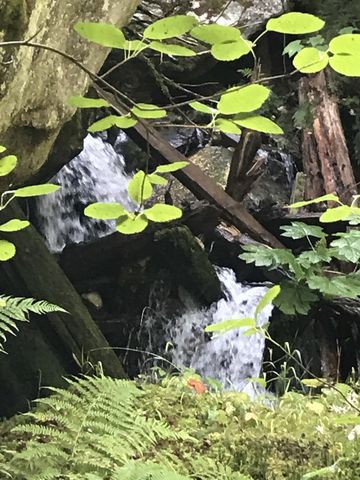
102, 429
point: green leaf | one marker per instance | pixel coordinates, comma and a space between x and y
295, 298
104, 211
157, 179
171, 49
301, 230
267, 299
295, 23
267, 257
229, 51
227, 126
14, 225
324, 198
214, 33
349, 44
84, 102
2, 149
105, 123
293, 48
311, 60
131, 225
36, 190
201, 107
7, 165
312, 382
147, 110
228, 325
339, 285
170, 27
321, 254
7, 250
336, 214
171, 167
259, 124
101, 33
320, 473
347, 246
162, 213
347, 420
245, 99
140, 188
348, 65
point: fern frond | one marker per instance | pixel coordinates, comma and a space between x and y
17, 309
144, 471
93, 427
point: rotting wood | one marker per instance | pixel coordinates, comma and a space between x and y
326, 158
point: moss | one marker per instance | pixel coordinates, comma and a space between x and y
189, 263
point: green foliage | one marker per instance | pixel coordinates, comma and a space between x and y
101, 33
170, 27
84, 102
102, 428
313, 272
7, 165
17, 309
36, 190
295, 23
243, 100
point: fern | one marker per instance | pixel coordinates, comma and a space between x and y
17, 309
145, 471
88, 431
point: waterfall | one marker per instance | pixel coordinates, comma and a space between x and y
96, 174
230, 358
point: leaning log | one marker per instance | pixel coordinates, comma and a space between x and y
192, 177
34, 272
326, 158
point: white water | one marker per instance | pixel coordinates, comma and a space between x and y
231, 358
97, 174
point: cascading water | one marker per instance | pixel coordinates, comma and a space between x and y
231, 358
96, 174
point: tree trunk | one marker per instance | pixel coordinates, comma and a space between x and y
61, 337
325, 154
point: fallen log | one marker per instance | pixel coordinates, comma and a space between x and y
103, 256
326, 158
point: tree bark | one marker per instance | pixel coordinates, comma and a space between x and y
326, 158
34, 272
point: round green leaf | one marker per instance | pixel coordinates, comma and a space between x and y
2, 149
229, 51
246, 99
336, 214
168, 49
147, 110
104, 211
214, 33
36, 190
131, 225
348, 65
170, 27
140, 188
126, 121
171, 167
103, 124
7, 164
295, 23
157, 179
349, 44
227, 126
259, 124
14, 225
161, 212
7, 250
311, 60
201, 107
83, 102
101, 33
